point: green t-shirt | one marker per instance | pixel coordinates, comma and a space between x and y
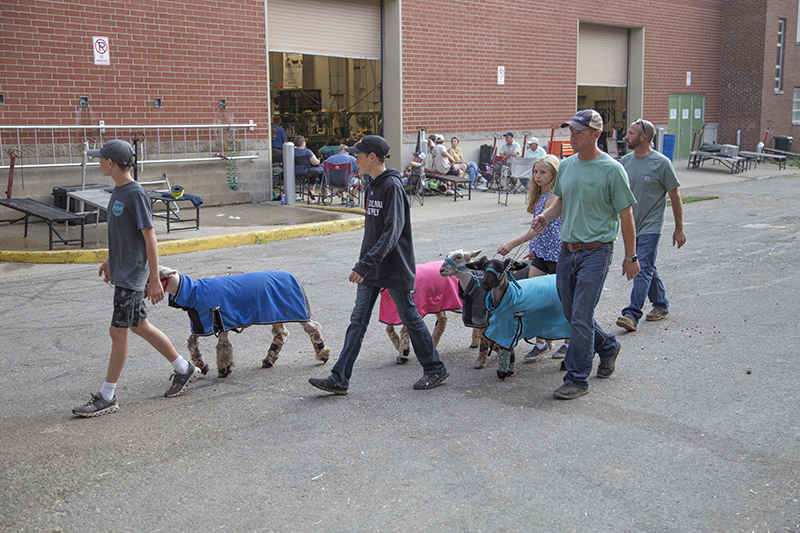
650, 177
592, 194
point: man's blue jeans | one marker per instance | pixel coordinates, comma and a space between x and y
579, 279
646, 284
418, 333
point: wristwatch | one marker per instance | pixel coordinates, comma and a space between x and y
632, 259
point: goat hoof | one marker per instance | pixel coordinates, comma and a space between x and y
479, 365
204, 370
401, 359
323, 355
474, 344
224, 372
266, 363
504, 375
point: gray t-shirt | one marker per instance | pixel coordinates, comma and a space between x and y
650, 178
129, 212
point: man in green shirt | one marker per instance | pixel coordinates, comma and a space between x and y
594, 201
652, 177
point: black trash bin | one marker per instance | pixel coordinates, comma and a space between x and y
783, 142
60, 200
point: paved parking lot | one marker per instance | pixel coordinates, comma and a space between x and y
698, 429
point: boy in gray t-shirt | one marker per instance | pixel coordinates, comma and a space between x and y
132, 262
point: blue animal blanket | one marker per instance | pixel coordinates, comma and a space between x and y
530, 308
231, 302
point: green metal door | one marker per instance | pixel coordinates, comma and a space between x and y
686, 115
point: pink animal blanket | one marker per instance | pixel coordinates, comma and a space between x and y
432, 293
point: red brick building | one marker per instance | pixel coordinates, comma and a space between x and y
468, 68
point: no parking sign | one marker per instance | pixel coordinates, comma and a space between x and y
102, 53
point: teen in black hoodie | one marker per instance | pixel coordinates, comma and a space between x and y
386, 261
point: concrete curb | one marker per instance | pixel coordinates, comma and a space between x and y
196, 244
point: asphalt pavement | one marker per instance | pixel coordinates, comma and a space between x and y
697, 430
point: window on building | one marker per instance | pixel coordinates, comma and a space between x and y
796, 108
779, 61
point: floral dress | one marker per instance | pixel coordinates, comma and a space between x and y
546, 245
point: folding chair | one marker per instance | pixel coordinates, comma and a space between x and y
306, 175
339, 182
414, 187
514, 176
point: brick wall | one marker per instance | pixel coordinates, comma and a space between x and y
189, 53
451, 54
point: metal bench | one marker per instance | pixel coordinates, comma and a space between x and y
46, 212
734, 164
171, 214
757, 158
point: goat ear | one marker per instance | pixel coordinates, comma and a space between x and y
474, 254
479, 264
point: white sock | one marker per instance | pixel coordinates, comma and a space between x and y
107, 390
180, 365
541, 345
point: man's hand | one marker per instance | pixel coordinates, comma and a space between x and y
538, 224
104, 271
355, 277
630, 269
678, 237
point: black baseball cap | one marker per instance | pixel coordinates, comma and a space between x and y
371, 144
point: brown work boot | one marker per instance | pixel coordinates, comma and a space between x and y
656, 314
626, 322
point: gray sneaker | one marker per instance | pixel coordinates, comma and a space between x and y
561, 353
536, 352
181, 381
97, 406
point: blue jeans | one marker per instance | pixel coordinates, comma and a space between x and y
418, 333
646, 284
472, 169
579, 279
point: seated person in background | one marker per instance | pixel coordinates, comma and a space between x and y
313, 172
330, 148
413, 171
462, 164
278, 138
431, 148
343, 157
534, 151
510, 149
443, 162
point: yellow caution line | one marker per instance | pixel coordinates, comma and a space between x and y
192, 245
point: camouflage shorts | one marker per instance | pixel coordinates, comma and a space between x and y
129, 308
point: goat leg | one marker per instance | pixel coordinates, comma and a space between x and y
279, 336
314, 331
505, 363
224, 355
395, 338
439, 327
476, 337
404, 348
484, 350
194, 352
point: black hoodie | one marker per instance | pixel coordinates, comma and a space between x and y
387, 250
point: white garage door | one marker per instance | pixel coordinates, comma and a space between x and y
338, 28
602, 56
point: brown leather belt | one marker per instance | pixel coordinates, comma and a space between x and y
580, 246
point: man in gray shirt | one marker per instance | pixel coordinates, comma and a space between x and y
651, 177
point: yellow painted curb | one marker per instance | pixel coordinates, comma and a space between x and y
193, 245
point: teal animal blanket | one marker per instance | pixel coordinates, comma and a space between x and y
530, 308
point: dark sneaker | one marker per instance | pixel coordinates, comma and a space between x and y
626, 322
328, 385
181, 381
429, 381
656, 315
97, 406
606, 366
536, 352
568, 391
561, 353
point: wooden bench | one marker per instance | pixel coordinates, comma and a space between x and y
560, 149
757, 158
46, 212
453, 180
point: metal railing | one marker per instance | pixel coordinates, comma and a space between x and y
62, 146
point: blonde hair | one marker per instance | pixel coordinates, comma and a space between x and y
534, 191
